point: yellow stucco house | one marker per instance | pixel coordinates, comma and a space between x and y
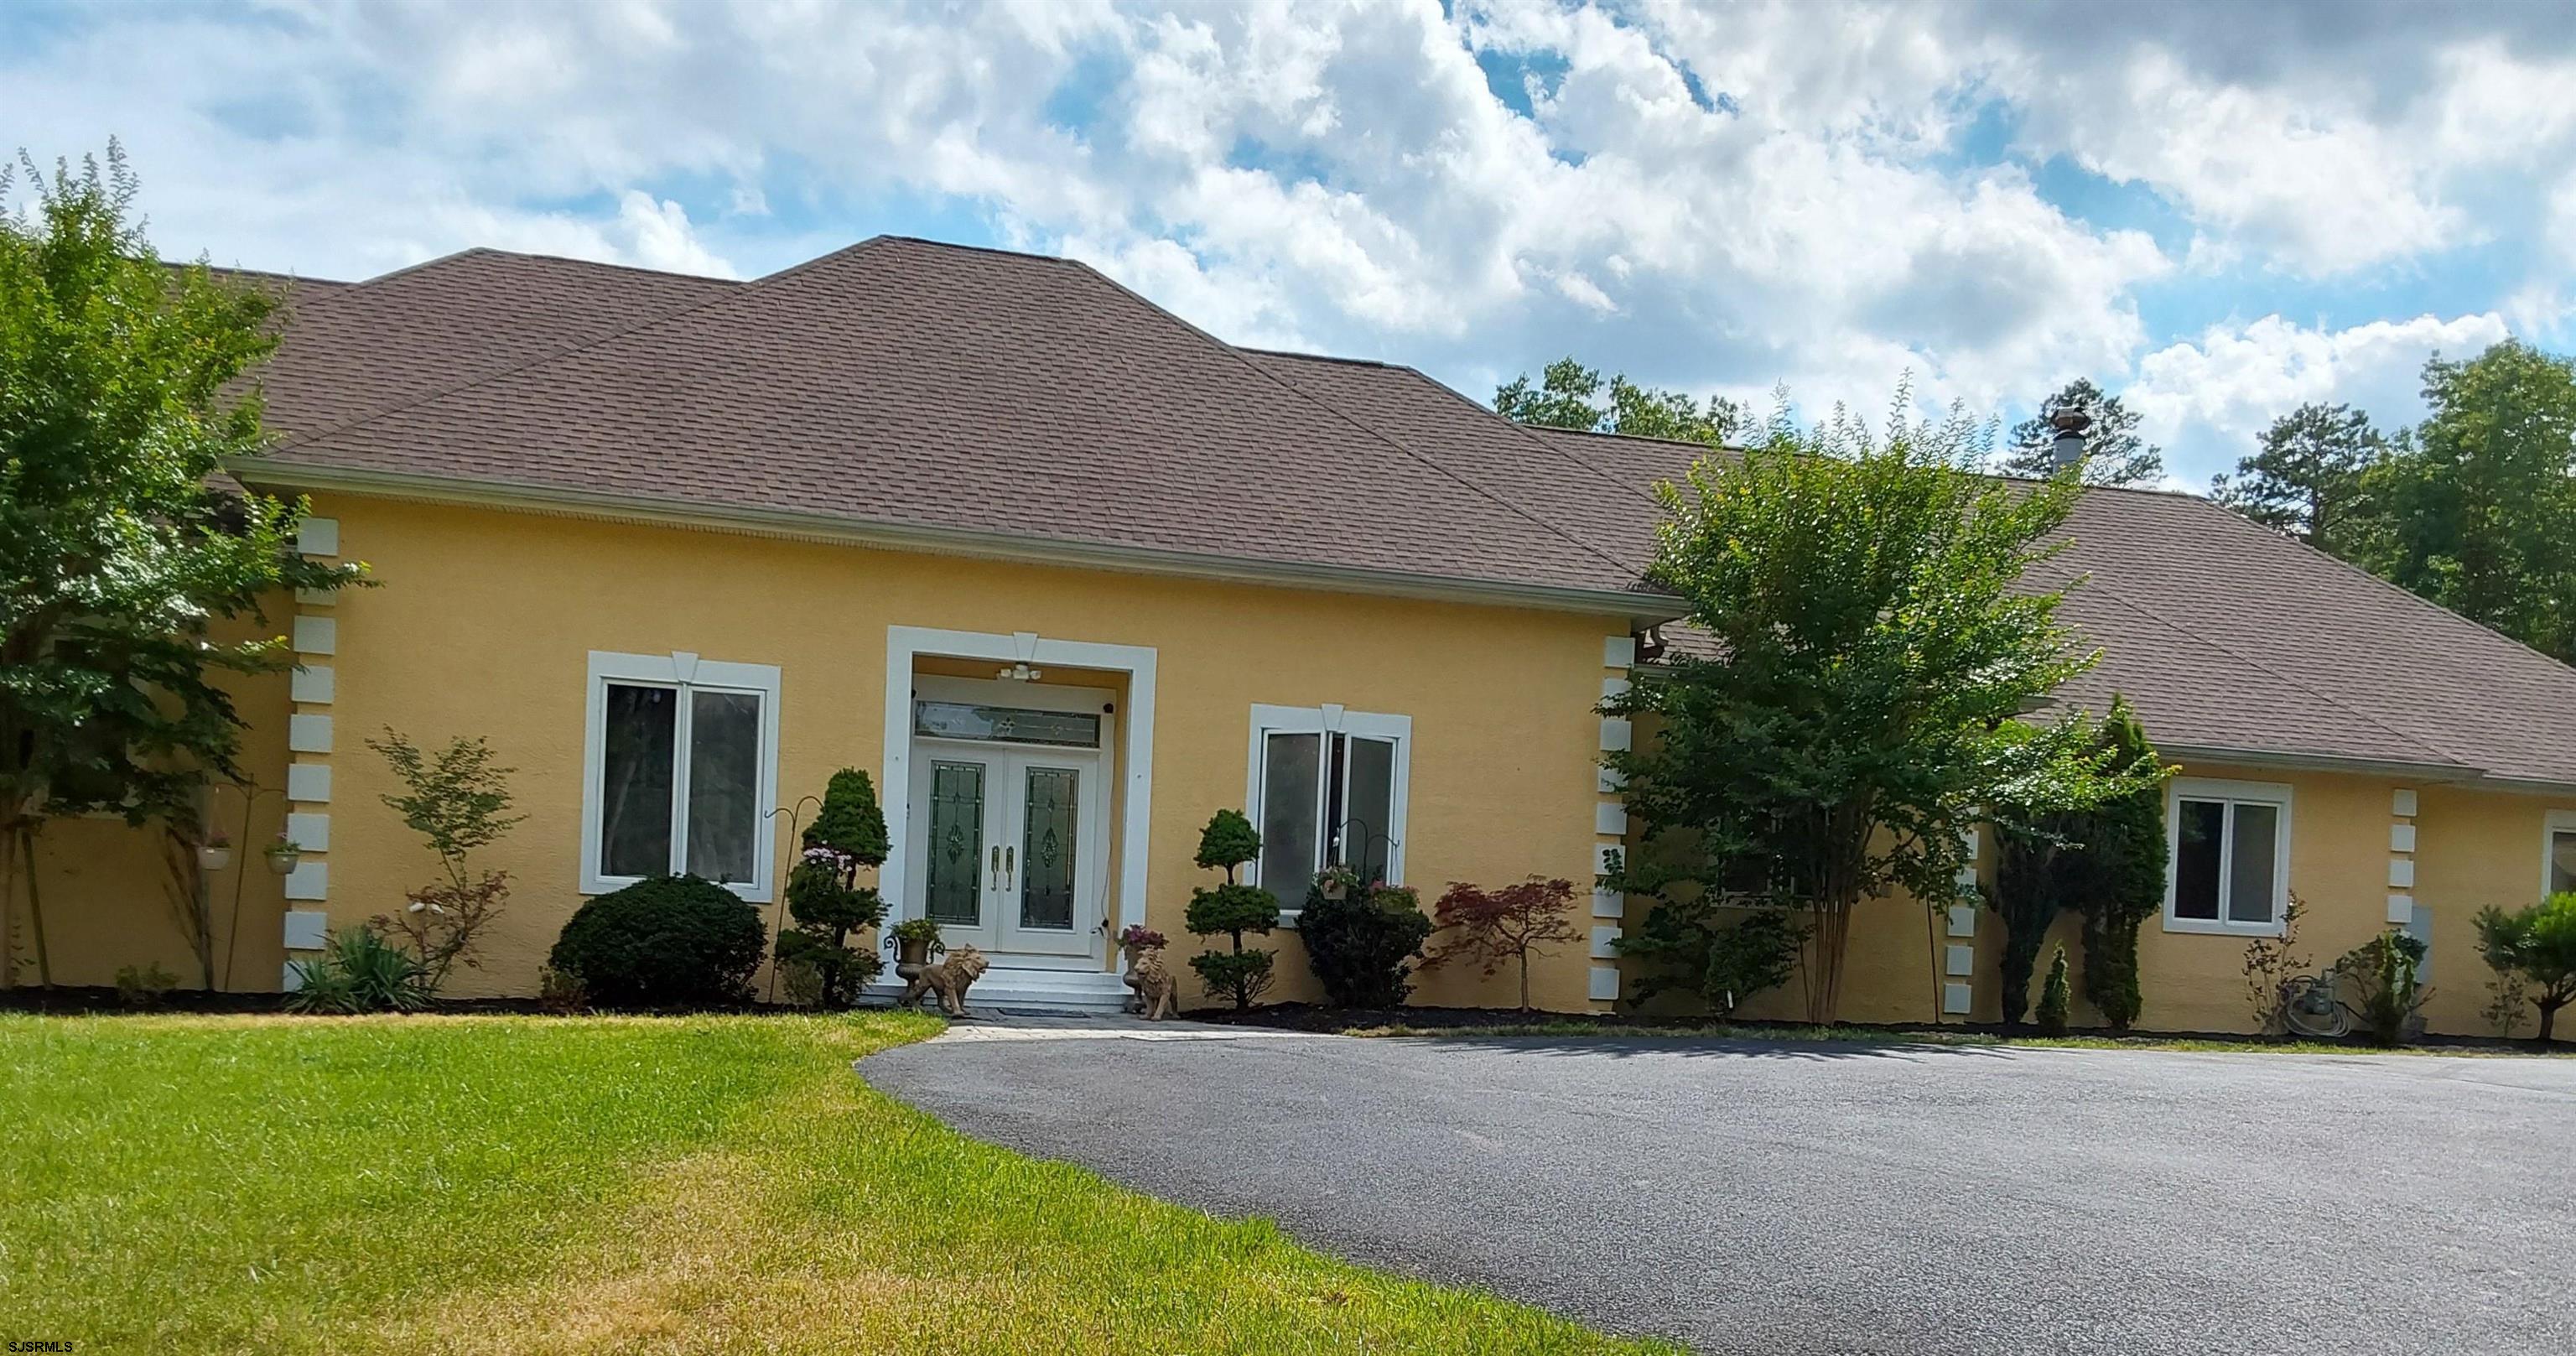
1067, 575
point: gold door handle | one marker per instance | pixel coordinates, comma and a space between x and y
1010, 866
994, 876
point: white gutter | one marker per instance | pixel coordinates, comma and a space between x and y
1639, 608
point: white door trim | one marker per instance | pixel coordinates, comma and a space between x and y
1134, 758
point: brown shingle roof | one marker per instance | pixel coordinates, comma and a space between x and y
1009, 398
900, 382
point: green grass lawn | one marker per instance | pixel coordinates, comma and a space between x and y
511, 1184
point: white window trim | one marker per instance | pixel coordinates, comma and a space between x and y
2556, 823
1268, 720
681, 670
2233, 792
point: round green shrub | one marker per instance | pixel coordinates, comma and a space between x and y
1357, 945
667, 941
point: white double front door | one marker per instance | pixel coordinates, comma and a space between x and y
1007, 831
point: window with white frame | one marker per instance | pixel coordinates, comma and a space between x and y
1327, 788
2558, 869
2231, 856
680, 766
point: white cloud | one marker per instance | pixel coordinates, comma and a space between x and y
2218, 392
1716, 197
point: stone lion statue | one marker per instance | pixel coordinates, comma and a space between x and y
1156, 990
949, 979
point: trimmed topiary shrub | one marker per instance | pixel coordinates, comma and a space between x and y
826, 900
2055, 997
1357, 945
1231, 910
666, 941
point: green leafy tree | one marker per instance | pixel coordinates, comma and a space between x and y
1880, 644
2306, 477
1231, 910
2536, 945
128, 554
1570, 395
1720, 955
2114, 454
827, 902
2477, 510
457, 798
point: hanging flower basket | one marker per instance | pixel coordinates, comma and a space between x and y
283, 855
214, 856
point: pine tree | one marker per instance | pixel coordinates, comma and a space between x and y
2307, 478
2114, 454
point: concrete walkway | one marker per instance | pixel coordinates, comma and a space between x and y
1754, 1197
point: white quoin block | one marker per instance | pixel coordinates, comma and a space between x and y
308, 734
1613, 688
1619, 652
316, 635
1963, 920
1610, 817
1605, 983
1612, 781
2401, 908
1958, 960
310, 831
1605, 943
1954, 998
309, 783
309, 880
290, 977
1609, 904
2401, 873
313, 684
318, 536
2403, 803
307, 929
1615, 734
2401, 838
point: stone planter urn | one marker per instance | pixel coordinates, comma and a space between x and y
910, 954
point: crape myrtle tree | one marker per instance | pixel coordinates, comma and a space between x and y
132, 566
1877, 648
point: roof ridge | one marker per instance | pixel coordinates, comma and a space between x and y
1362, 426
733, 292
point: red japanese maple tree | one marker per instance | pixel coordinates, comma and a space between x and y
1493, 928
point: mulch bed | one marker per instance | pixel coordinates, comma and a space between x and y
1316, 1017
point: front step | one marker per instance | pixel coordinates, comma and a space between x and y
1090, 991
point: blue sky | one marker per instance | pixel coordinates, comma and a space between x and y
2219, 210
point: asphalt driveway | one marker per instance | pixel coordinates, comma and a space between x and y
1788, 1198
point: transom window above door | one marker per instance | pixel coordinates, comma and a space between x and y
680, 768
1327, 788
1005, 724
2231, 856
